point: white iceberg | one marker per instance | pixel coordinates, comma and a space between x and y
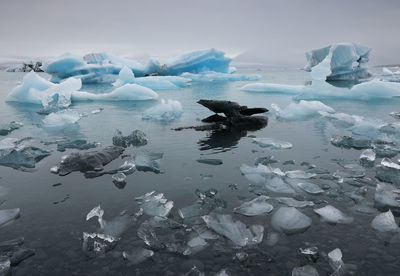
301, 110
61, 118
332, 215
255, 207
348, 61
290, 221
236, 231
166, 111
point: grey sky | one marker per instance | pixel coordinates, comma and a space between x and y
275, 32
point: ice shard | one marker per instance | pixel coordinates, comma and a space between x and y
290, 221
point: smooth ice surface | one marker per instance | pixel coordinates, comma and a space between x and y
236, 231
127, 92
155, 204
8, 215
166, 111
273, 88
61, 118
310, 188
290, 221
272, 143
332, 215
211, 76
301, 110
255, 207
299, 174
291, 202
384, 222
147, 161
386, 196
343, 57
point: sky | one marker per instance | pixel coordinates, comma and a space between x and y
270, 32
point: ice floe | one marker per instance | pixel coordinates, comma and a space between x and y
301, 110
384, 222
388, 171
255, 207
8, 215
147, 161
332, 215
61, 118
272, 143
166, 111
290, 221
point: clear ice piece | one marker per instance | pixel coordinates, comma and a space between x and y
290, 221
332, 215
255, 207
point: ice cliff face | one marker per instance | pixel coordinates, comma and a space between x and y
348, 61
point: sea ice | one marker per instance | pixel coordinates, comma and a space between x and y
137, 255
310, 188
367, 158
166, 111
350, 142
291, 202
235, 231
10, 127
61, 118
348, 61
136, 138
301, 110
273, 88
306, 270
336, 262
211, 76
255, 207
155, 204
290, 221
9, 215
332, 215
386, 196
384, 222
299, 174
147, 161
272, 143
388, 171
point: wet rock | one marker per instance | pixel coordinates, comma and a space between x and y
87, 161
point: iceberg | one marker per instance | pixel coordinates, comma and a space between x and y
290, 221
8, 215
332, 215
384, 222
125, 76
61, 118
255, 207
301, 110
166, 111
390, 75
272, 143
348, 61
211, 76
236, 231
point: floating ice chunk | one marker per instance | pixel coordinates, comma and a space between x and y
291, 202
155, 204
10, 127
390, 75
148, 235
137, 255
136, 138
5, 266
119, 177
332, 215
273, 88
388, 171
306, 270
310, 188
210, 161
255, 207
80, 144
336, 262
367, 158
9, 215
384, 222
125, 76
196, 62
341, 61
63, 66
127, 92
350, 142
299, 174
272, 143
61, 118
210, 76
222, 272
97, 212
236, 231
163, 82
290, 221
385, 149
147, 161
166, 111
301, 110
15, 153
387, 196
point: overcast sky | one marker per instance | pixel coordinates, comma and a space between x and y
274, 32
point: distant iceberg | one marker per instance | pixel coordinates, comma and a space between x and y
390, 74
273, 88
211, 76
349, 61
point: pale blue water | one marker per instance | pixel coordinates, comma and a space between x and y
55, 230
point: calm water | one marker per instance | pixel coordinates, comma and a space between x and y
55, 230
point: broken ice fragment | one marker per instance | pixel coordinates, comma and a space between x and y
272, 143
73, 144
388, 171
367, 158
8, 215
311, 253
336, 263
5, 266
148, 235
290, 221
386, 197
299, 174
291, 202
97, 212
255, 207
136, 138
350, 142
384, 222
7, 129
155, 204
210, 161
301, 110
332, 215
119, 177
306, 270
235, 231
137, 255
166, 111
61, 118
147, 161
310, 188
265, 160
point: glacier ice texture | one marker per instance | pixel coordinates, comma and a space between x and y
332, 215
272, 143
166, 111
301, 110
155, 204
290, 221
384, 222
255, 207
61, 118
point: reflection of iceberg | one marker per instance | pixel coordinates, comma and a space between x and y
348, 61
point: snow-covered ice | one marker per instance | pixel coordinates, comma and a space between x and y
166, 111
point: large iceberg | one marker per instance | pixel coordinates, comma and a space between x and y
348, 61
211, 76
